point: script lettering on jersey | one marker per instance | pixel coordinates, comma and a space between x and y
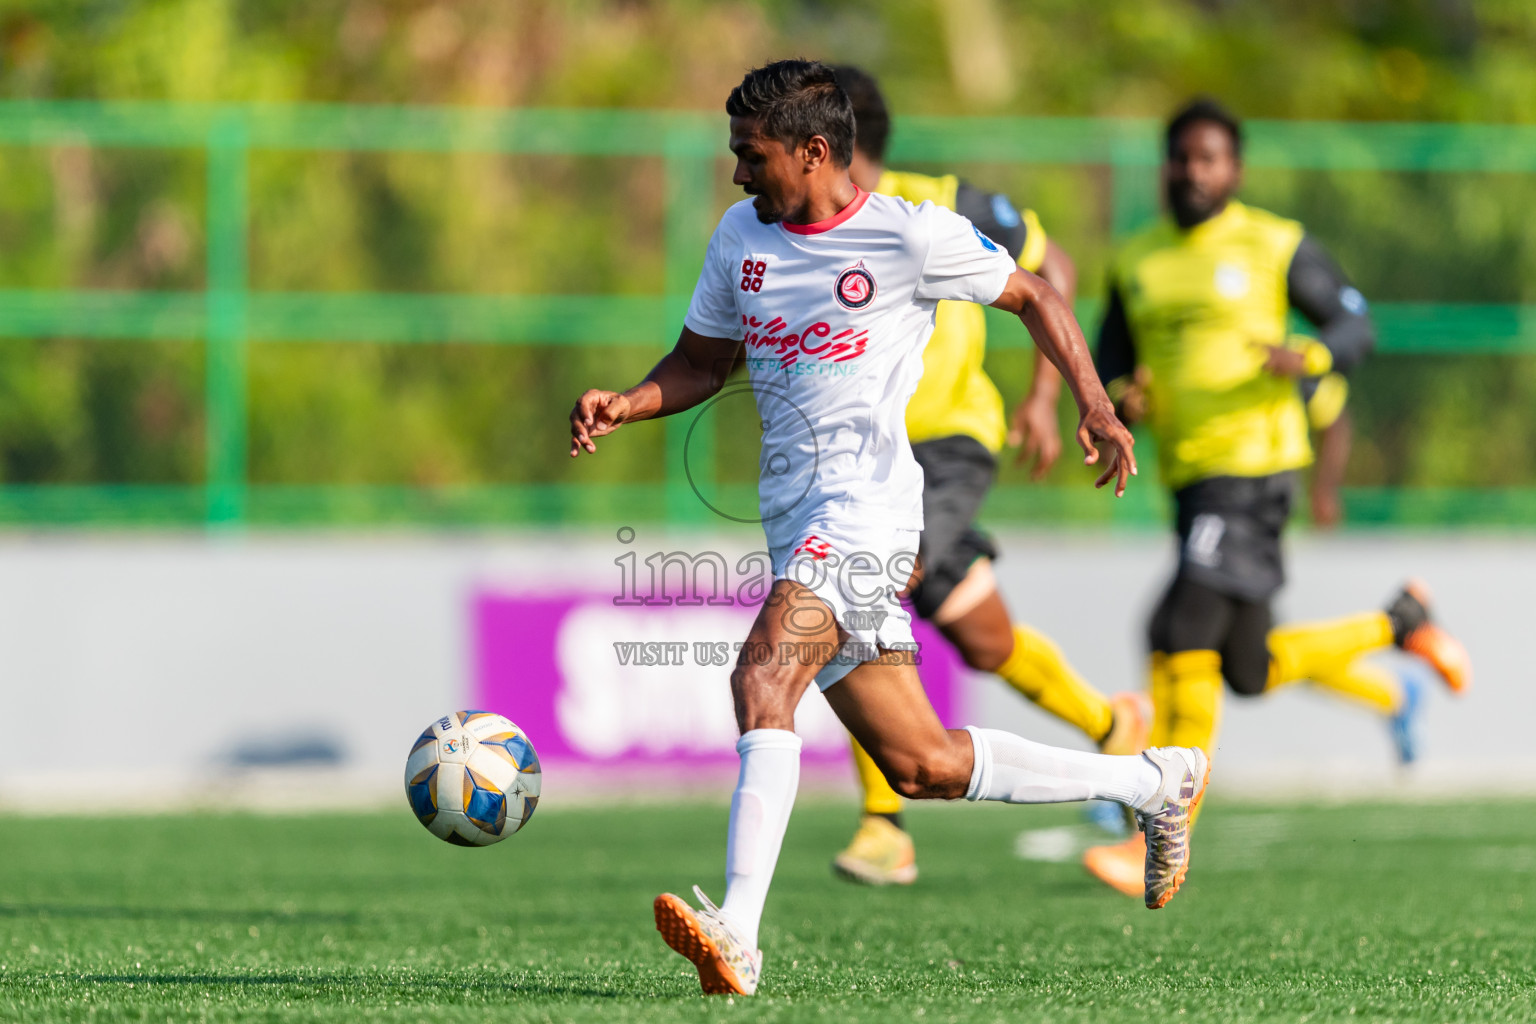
789, 346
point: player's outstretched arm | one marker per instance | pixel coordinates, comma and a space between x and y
1033, 428
691, 373
1050, 322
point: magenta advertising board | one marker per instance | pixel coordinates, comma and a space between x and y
597, 683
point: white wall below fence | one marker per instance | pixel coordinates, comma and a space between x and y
132, 669
1300, 739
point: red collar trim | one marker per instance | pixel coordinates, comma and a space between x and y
831, 222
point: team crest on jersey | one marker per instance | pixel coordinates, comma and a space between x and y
855, 287
1231, 281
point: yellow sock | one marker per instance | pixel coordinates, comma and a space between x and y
1328, 653
879, 797
1039, 671
1162, 700
1365, 683
1312, 649
1194, 690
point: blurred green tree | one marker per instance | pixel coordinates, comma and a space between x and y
462, 414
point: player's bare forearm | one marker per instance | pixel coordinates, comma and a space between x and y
1332, 461
691, 373
1055, 330
1033, 429
1057, 270
1045, 383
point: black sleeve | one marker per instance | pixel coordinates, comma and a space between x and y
994, 214
1307, 385
1319, 290
1115, 356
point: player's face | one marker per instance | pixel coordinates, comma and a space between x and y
1202, 172
764, 169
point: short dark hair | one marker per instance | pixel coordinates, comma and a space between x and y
1204, 108
793, 100
871, 119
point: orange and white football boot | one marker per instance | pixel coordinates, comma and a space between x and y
709, 941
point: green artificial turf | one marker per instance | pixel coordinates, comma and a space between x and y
1357, 913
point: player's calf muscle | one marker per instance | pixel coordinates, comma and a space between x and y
887, 711
793, 636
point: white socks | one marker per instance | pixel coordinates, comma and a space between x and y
1019, 771
765, 793
1008, 768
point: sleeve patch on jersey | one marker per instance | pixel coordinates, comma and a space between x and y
1004, 213
1352, 300
986, 243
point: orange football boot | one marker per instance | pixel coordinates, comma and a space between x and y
726, 964
1427, 640
1121, 866
1131, 725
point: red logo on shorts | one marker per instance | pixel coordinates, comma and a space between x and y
855, 287
814, 547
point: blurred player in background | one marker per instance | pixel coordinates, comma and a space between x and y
957, 425
833, 292
1328, 416
1195, 343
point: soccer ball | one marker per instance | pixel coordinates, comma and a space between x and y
472, 778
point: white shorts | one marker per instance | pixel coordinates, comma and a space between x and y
856, 572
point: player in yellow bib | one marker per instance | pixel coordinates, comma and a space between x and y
957, 425
1196, 344
1328, 416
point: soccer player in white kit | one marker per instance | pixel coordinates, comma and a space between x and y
832, 291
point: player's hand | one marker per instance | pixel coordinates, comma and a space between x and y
1036, 433
1132, 405
1100, 425
596, 413
1284, 362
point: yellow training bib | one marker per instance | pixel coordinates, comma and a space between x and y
955, 395
1201, 305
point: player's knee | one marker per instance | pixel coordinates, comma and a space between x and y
937, 775
986, 656
764, 696
1247, 677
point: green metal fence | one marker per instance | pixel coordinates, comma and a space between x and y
228, 316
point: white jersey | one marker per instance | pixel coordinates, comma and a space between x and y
835, 316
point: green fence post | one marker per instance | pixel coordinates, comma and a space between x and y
1133, 185
1133, 202
228, 147
690, 195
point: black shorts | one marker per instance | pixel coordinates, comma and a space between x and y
957, 471
1229, 533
